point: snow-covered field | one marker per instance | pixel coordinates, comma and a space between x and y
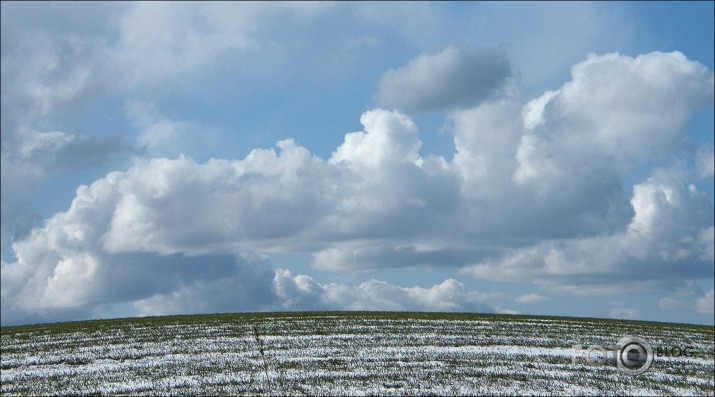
347, 354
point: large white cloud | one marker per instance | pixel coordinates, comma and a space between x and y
29, 157
619, 108
616, 114
669, 240
533, 193
58, 60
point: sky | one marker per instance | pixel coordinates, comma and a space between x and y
533, 158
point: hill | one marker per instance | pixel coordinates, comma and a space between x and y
350, 353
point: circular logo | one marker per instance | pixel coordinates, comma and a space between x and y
635, 355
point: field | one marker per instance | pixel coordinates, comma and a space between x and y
348, 353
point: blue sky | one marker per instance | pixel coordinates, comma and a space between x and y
537, 158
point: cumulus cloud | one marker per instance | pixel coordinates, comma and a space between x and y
669, 234
59, 59
450, 78
541, 192
171, 206
532, 194
30, 157
449, 295
388, 137
576, 146
617, 111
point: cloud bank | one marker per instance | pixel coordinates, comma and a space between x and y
534, 192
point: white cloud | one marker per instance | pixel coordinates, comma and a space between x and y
158, 40
59, 59
298, 291
30, 157
533, 112
541, 202
170, 206
388, 137
705, 304
616, 112
530, 298
153, 129
665, 238
450, 78
541, 193
450, 295
48, 65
